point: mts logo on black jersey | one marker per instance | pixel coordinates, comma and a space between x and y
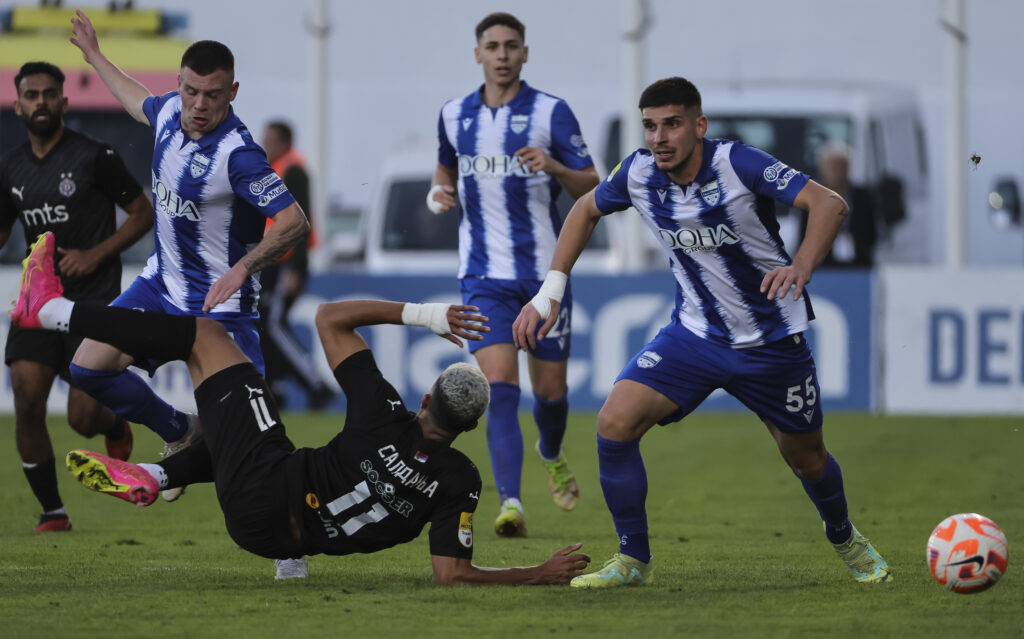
46, 214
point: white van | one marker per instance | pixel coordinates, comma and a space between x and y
794, 121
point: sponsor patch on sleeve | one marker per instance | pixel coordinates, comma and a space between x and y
466, 530
269, 196
263, 183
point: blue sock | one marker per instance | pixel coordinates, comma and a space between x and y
504, 441
130, 397
550, 418
624, 482
830, 500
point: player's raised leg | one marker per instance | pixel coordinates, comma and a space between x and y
628, 413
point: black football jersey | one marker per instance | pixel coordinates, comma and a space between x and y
72, 192
379, 482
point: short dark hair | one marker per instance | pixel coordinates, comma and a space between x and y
283, 131
503, 19
671, 91
35, 68
206, 56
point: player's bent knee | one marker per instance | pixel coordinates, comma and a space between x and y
618, 425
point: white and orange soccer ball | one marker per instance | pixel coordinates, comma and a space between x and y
967, 553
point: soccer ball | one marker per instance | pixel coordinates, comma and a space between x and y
967, 553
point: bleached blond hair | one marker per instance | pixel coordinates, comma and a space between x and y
459, 397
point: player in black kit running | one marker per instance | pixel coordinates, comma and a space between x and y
376, 484
62, 181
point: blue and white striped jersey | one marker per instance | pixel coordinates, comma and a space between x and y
211, 198
721, 236
509, 222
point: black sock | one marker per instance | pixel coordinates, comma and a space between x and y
141, 334
193, 465
43, 479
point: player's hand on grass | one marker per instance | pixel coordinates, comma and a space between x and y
77, 262
466, 323
83, 35
779, 281
564, 565
524, 330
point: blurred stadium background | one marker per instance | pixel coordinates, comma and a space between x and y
930, 338
936, 326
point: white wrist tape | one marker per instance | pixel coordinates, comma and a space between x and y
433, 316
553, 288
432, 204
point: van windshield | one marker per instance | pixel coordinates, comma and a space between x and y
793, 140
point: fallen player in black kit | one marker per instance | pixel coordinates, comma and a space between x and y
375, 485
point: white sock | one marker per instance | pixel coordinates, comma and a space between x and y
157, 472
56, 314
59, 511
512, 501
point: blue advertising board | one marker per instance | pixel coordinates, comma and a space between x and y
613, 317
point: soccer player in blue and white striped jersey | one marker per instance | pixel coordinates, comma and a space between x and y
507, 150
735, 326
213, 191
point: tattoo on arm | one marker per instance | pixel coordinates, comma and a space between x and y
275, 246
845, 210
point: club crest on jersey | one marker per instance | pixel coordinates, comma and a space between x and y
66, 186
648, 359
581, 148
466, 529
518, 123
197, 167
710, 193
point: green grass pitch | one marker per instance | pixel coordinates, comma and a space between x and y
738, 548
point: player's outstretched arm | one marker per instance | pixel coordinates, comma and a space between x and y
290, 227
560, 568
336, 322
826, 211
542, 310
128, 91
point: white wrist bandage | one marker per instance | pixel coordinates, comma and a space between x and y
432, 204
553, 288
433, 316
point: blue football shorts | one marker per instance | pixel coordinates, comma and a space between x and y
147, 295
777, 381
501, 300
